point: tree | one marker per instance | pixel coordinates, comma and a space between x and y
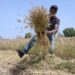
69, 32
28, 35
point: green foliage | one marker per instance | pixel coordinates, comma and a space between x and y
69, 32
28, 35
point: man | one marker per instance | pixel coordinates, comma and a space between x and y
53, 26
51, 31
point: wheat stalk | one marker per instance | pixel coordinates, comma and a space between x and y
38, 19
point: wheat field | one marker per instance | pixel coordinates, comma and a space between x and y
62, 63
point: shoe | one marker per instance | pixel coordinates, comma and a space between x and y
51, 51
20, 53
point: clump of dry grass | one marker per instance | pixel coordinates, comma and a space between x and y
65, 47
38, 19
66, 66
12, 44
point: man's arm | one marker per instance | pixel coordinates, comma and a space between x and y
53, 31
56, 28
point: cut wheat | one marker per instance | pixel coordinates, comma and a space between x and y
38, 19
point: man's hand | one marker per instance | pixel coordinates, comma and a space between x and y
47, 32
53, 31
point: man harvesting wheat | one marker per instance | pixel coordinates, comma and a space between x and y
51, 30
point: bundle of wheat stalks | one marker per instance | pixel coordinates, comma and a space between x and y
38, 19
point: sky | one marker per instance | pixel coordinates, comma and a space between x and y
12, 10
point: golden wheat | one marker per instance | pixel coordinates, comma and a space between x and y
38, 19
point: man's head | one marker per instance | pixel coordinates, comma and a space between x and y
53, 9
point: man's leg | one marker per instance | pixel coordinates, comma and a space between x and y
27, 48
30, 45
52, 42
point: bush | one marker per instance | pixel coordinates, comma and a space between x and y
69, 32
27, 35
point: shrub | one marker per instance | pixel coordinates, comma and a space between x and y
27, 35
69, 32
